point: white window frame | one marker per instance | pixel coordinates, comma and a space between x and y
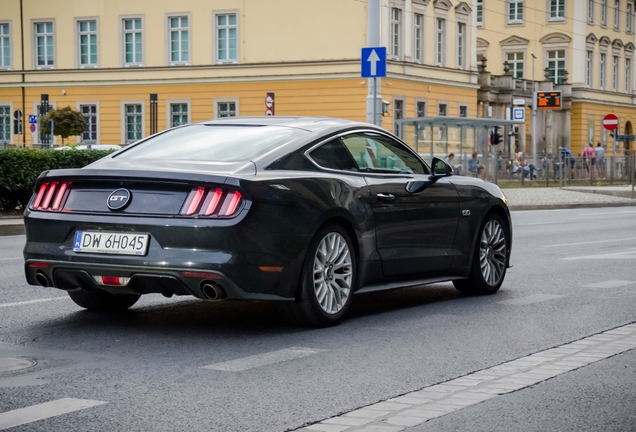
439, 105
421, 101
628, 75
6, 39
216, 103
168, 38
589, 68
615, 77
557, 17
590, 11
461, 105
10, 120
419, 37
617, 14
629, 17
122, 40
548, 60
516, 61
603, 13
602, 75
123, 123
518, 7
396, 47
479, 15
396, 128
36, 112
215, 36
460, 44
34, 22
440, 42
169, 103
78, 43
78, 105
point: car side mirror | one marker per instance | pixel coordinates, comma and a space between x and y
440, 169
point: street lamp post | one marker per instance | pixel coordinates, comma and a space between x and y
534, 116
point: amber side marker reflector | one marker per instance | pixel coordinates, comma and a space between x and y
39, 264
202, 275
270, 269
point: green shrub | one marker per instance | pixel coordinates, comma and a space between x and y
19, 170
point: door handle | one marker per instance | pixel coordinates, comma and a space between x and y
385, 197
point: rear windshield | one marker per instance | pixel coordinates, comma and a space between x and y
212, 143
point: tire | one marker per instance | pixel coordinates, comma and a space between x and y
330, 258
491, 250
103, 301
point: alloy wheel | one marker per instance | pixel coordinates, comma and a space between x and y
333, 273
492, 252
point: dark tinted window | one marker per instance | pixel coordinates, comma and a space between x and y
378, 153
334, 155
213, 143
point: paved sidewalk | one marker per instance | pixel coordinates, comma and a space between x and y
11, 226
618, 191
553, 198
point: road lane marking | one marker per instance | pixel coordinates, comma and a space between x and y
534, 298
609, 284
3, 305
611, 256
43, 411
590, 242
265, 359
7, 259
419, 406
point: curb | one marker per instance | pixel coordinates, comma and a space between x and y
569, 206
11, 230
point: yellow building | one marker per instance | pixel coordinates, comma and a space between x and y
207, 59
587, 44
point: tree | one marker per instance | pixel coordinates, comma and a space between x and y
66, 122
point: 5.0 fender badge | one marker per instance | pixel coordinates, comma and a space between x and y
119, 199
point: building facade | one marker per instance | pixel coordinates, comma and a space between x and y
585, 48
210, 59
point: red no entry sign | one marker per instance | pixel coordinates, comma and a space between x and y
610, 122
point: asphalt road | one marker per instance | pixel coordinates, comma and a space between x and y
146, 366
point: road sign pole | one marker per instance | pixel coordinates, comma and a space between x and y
534, 126
375, 101
373, 40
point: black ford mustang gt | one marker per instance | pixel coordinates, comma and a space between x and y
304, 211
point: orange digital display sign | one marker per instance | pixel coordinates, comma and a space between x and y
549, 100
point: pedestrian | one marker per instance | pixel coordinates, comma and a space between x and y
449, 161
589, 157
567, 159
600, 160
528, 168
474, 168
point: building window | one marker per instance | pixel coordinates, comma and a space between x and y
398, 114
5, 124
589, 56
178, 114
628, 75
396, 32
226, 36
557, 10
480, 12
601, 74
603, 12
44, 44
556, 65
515, 11
515, 62
615, 73
617, 14
132, 42
134, 123
628, 17
461, 45
87, 31
442, 110
463, 111
179, 40
418, 36
226, 109
590, 11
5, 46
440, 41
89, 136
420, 109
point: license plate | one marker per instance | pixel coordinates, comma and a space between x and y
110, 243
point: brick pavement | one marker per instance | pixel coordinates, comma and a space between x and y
529, 198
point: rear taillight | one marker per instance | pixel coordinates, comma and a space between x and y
213, 202
51, 196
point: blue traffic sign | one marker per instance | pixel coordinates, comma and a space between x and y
33, 119
519, 114
373, 62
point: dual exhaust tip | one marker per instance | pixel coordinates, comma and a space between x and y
212, 290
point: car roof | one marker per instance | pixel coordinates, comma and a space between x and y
311, 124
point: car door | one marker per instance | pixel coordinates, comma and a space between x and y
414, 231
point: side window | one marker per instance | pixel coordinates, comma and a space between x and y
377, 153
334, 155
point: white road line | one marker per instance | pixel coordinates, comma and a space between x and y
43, 411
591, 242
534, 298
438, 400
609, 284
611, 256
7, 259
4, 305
264, 359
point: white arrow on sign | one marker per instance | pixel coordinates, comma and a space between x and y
373, 59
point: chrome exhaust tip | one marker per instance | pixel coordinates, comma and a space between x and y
42, 279
212, 290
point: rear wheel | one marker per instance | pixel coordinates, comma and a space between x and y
103, 301
490, 259
327, 280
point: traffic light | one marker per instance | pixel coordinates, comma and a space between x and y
495, 137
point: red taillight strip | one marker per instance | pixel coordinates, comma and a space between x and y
59, 196
49, 195
234, 202
202, 275
39, 264
193, 201
38, 198
214, 198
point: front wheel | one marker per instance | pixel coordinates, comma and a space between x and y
103, 301
490, 259
327, 280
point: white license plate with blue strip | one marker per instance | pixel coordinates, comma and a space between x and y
110, 243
